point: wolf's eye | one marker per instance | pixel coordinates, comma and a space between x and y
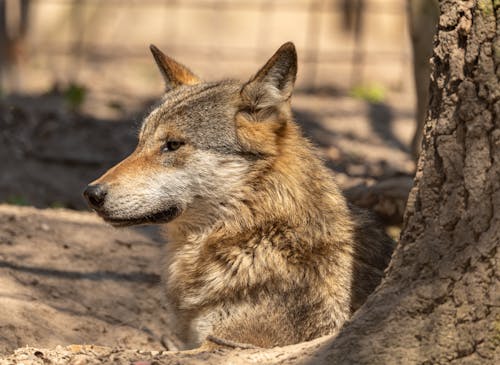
172, 146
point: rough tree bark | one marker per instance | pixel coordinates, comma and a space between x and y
439, 302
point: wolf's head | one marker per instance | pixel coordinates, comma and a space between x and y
200, 146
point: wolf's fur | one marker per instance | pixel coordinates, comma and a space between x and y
262, 246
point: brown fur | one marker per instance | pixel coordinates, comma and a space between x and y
264, 249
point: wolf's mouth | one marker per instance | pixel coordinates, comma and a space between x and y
155, 218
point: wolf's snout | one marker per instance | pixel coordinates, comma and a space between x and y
95, 195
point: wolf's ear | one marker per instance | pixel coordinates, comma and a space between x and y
273, 83
172, 71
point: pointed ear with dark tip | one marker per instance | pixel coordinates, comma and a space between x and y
172, 71
273, 83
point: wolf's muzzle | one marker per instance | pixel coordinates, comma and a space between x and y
95, 195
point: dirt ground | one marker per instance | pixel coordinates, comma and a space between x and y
68, 278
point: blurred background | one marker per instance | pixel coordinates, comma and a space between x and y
342, 43
77, 78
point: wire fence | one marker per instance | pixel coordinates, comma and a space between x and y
341, 43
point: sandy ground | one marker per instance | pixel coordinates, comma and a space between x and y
67, 278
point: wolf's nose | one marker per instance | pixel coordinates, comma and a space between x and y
95, 195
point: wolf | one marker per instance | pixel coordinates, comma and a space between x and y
262, 247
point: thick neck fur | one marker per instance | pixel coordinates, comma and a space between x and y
291, 188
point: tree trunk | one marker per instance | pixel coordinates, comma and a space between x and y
439, 302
